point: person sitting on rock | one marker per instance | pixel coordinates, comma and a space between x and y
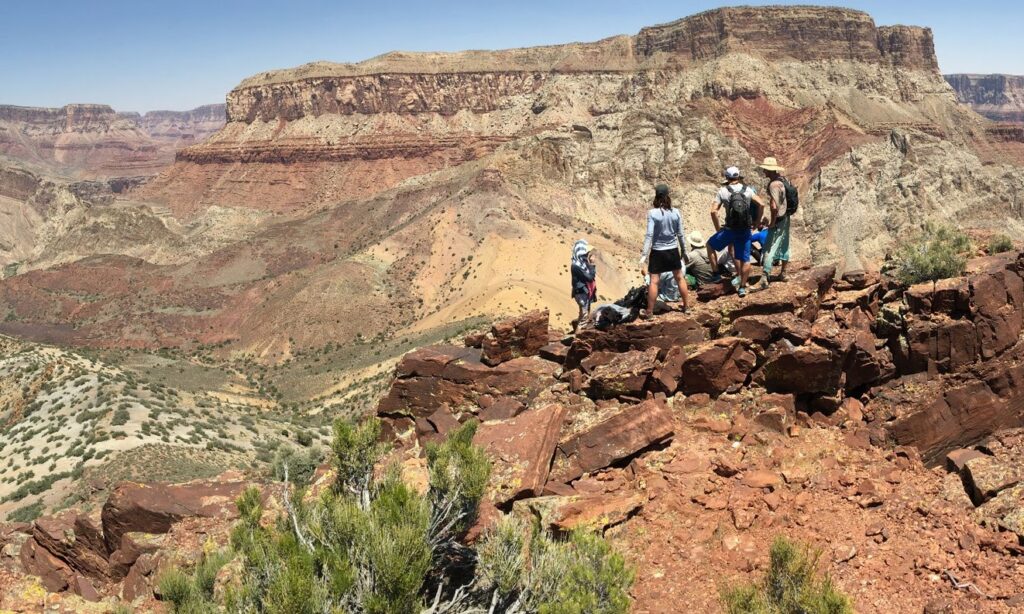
584, 279
742, 210
698, 267
662, 244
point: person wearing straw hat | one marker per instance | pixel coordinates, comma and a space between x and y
661, 251
697, 264
777, 242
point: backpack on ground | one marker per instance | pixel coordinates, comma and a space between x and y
737, 209
792, 196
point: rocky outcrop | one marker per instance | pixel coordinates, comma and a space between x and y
997, 97
89, 555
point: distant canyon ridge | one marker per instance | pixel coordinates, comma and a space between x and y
87, 141
997, 97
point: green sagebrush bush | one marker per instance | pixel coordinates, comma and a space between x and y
193, 593
937, 252
791, 585
999, 243
376, 546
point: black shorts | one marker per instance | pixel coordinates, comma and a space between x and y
664, 261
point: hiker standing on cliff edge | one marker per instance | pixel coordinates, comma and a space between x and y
662, 243
742, 210
777, 246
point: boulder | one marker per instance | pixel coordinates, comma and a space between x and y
593, 512
625, 375
801, 369
555, 352
431, 377
937, 415
951, 297
996, 301
133, 546
1004, 511
869, 362
767, 329
520, 450
619, 436
515, 338
986, 476
54, 574
717, 366
76, 542
951, 345
155, 507
137, 583
662, 332
501, 409
956, 459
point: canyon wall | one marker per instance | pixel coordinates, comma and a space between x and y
997, 97
93, 140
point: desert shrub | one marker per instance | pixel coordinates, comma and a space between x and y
937, 252
27, 513
300, 464
192, 593
999, 243
791, 585
375, 545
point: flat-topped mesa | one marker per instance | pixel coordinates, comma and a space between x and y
801, 33
69, 118
480, 81
997, 97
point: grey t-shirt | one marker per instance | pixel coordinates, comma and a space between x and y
664, 230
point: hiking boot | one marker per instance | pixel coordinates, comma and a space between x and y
742, 292
715, 279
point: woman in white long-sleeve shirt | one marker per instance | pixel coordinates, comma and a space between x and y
661, 251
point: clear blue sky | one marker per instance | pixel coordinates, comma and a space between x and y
144, 54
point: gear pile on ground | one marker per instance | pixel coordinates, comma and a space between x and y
879, 423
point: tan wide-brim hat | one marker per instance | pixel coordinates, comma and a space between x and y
771, 164
696, 240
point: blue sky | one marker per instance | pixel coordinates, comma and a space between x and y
145, 55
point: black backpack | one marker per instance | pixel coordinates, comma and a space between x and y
737, 209
792, 196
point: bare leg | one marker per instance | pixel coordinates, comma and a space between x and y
713, 259
743, 268
652, 293
684, 290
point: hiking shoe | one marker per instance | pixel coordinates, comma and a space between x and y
646, 316
716, 279
763, 285
735, 282
742, 292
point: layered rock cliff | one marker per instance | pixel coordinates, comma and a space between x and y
93, 140
427, 111
997, 97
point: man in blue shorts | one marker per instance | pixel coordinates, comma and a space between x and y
742, 210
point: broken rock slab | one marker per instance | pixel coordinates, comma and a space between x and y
520, 450
562, 514
987, 476
629, 430
718, 366
624, 375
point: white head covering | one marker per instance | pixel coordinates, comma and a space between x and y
579, 252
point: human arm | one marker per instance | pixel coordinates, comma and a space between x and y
714, 214
776, 190
756, 200
648, 242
